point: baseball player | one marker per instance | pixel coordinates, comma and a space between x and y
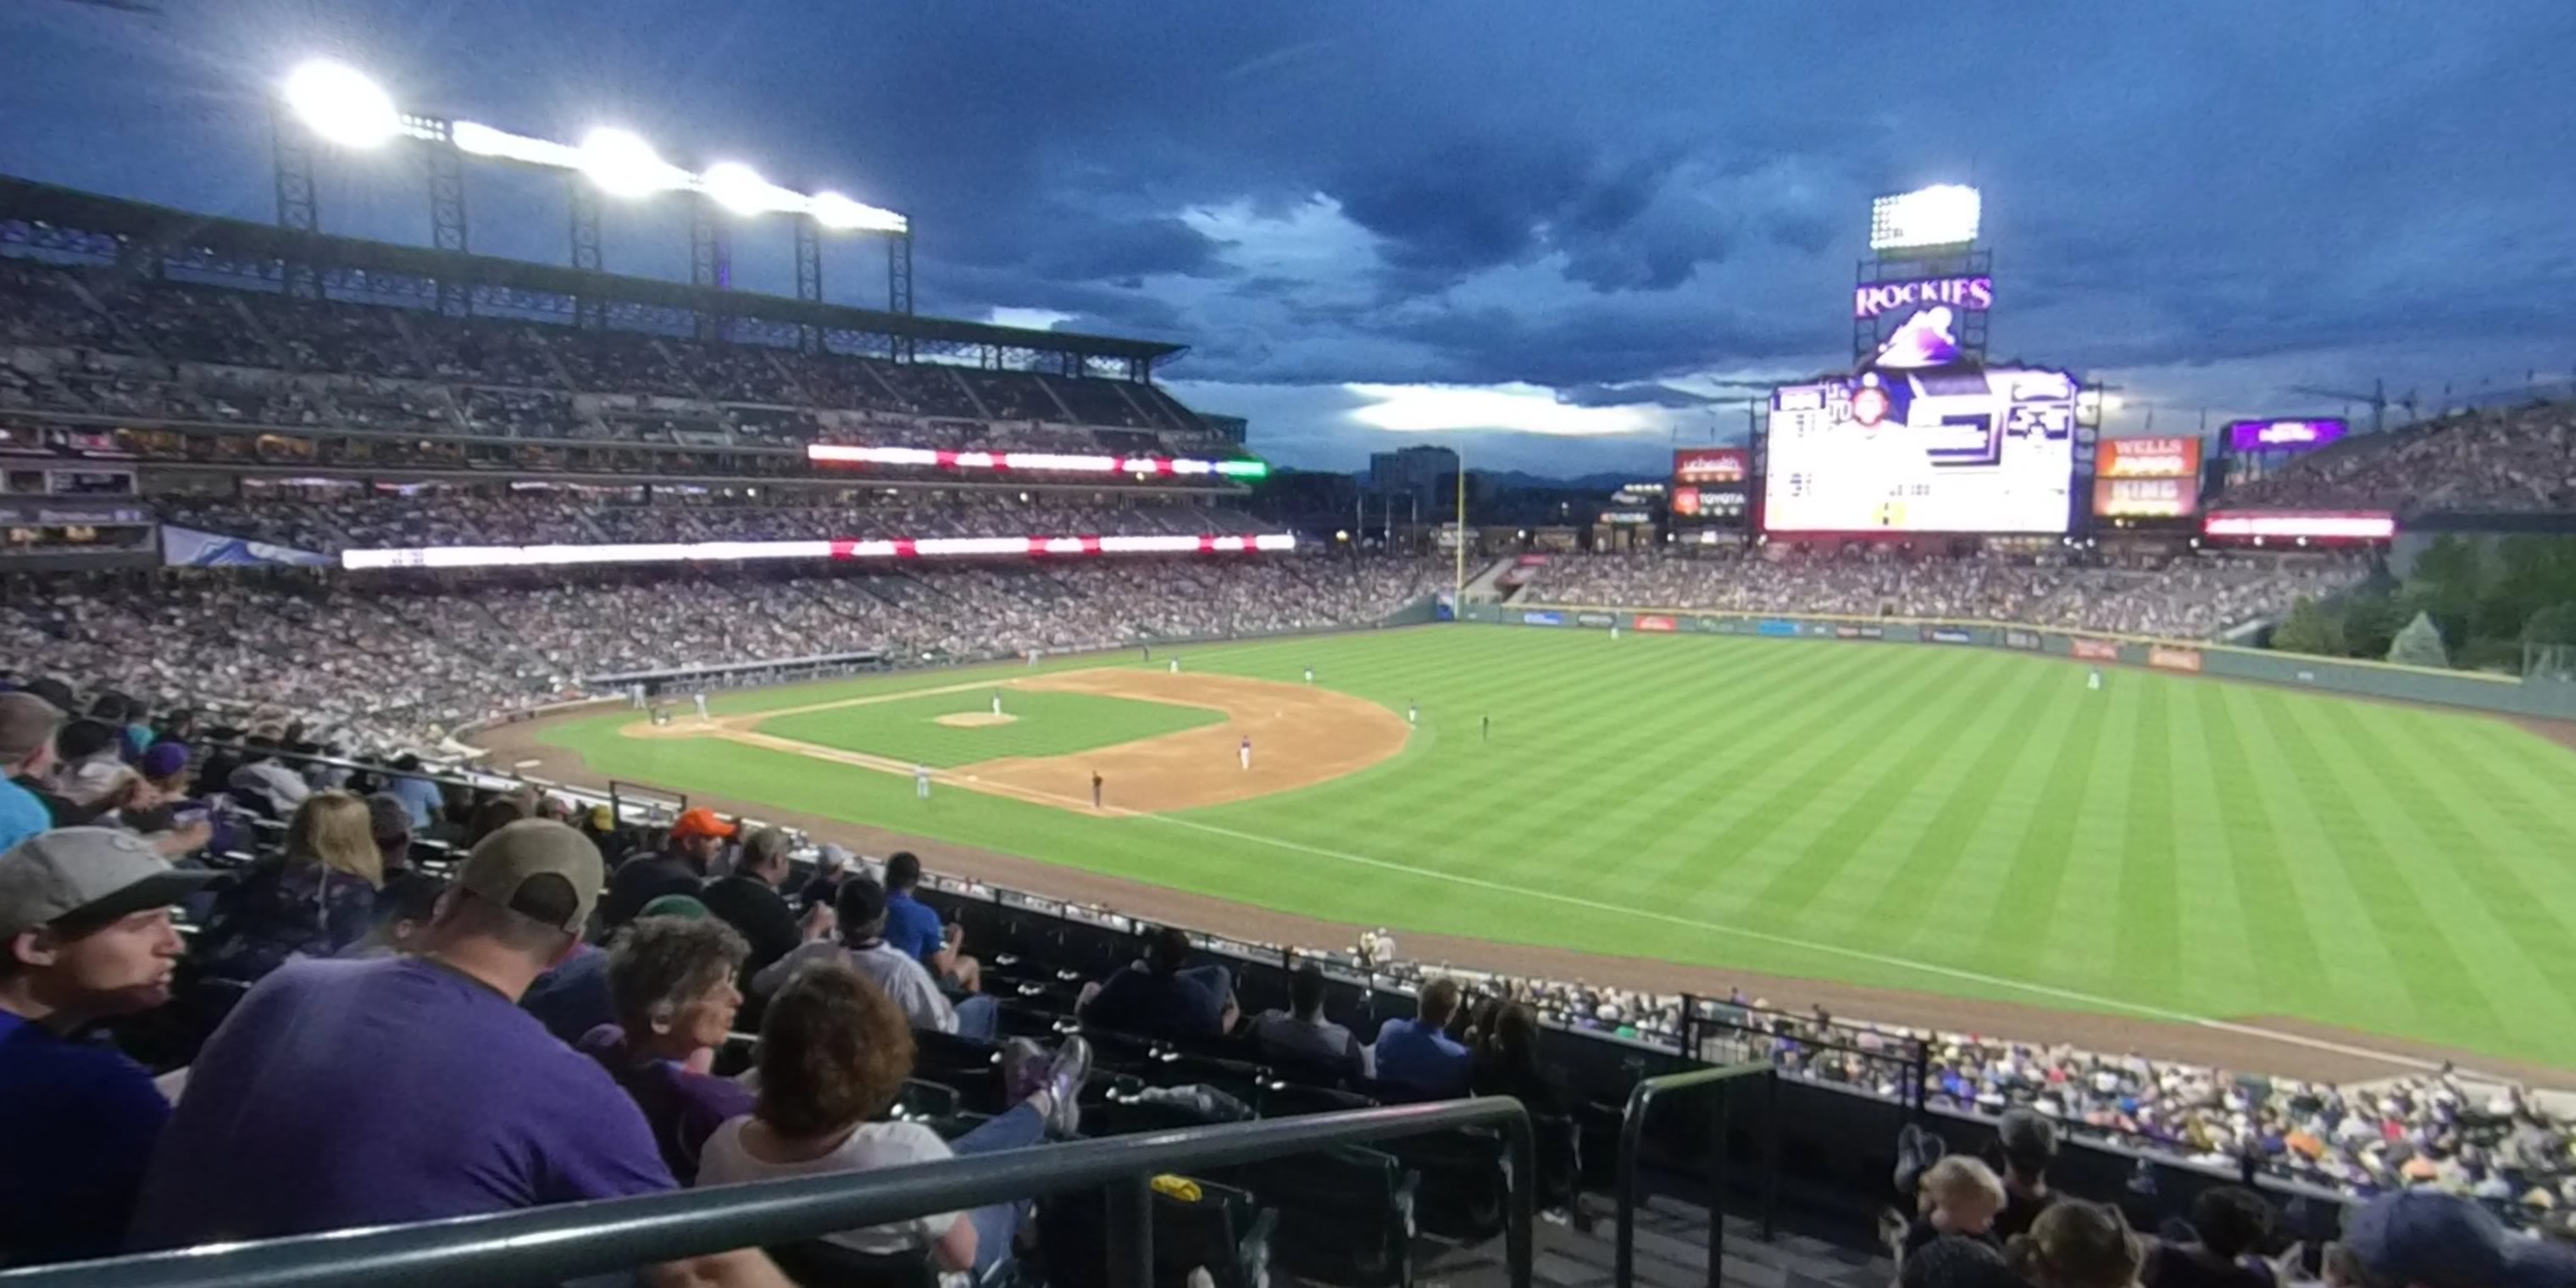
921, 782
1310, 675
1413, 713
997, 702
1176, 666
1095, 789
1243, 754
2093, 679
636, 692
1614, 630
702, 704
1484, 728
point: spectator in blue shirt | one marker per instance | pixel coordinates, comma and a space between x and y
419, 795
27, 725
1418, 1054
85, 935
913, 927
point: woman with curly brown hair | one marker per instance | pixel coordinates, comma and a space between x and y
834, 1052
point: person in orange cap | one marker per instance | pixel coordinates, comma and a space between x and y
697, 837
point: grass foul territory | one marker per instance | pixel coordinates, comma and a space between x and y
1908, 816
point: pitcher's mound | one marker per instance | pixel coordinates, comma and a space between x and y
974, 719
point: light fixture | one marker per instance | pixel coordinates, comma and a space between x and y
340, 104
622, 164
739, 188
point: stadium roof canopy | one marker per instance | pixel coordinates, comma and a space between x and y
143, 236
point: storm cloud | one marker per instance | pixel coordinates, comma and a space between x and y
1632, 206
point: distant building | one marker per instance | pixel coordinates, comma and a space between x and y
1419, 471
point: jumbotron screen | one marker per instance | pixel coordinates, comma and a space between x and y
1923, 451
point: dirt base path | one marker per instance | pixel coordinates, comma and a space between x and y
1301, 735
2285, 1048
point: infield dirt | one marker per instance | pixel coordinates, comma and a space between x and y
1301, 735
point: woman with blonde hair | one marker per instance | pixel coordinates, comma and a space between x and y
314, 897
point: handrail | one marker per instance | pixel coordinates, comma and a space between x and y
1632, 1126
552, 1244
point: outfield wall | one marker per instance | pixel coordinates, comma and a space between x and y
2506, 695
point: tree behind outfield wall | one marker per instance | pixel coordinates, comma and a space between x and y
2420, 644
2310, 628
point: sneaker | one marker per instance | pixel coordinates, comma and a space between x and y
1064, 1077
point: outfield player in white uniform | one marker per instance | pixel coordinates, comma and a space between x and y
2094, 679
1413, 713
1310, 675
1176, 666
702, 705
921, 782
997, 702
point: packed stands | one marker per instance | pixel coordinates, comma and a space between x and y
2509, 460
2189, 598
394, 664
208, 354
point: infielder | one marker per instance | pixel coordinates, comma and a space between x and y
921, 782
1176, 666
1095, 789
1412, 713
1310, 675
997, 702
1243, 754
702, 704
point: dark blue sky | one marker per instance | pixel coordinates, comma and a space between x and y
1587, 218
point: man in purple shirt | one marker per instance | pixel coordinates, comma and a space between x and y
341, 1094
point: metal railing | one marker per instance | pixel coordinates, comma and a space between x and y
1632, 1127
550, 1245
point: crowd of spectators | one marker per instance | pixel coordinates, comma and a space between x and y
326, 520
2499, 459
2187, 598
257, 358
391, 665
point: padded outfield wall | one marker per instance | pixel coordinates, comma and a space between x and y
2504, 695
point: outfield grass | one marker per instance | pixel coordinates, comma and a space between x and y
1042, 724
1946, 819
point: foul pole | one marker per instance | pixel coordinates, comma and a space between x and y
1458, 577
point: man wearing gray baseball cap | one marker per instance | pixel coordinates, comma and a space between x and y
85, 935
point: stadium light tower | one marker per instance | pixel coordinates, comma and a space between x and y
330, 102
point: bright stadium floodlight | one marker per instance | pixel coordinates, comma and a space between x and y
341, 105
1942, 215
740, 189
622, 164
841, 214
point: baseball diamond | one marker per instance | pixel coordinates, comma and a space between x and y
2168, 849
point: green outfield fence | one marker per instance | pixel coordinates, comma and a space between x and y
2502, 694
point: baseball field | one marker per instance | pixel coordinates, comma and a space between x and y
1953, 821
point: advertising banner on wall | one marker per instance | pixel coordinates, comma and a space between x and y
1654, 623
2280, 436
2093, 650
1774, 626
1949, 635
1860, 633
1595, 619
2174, 659
1543, 619
2022, 639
